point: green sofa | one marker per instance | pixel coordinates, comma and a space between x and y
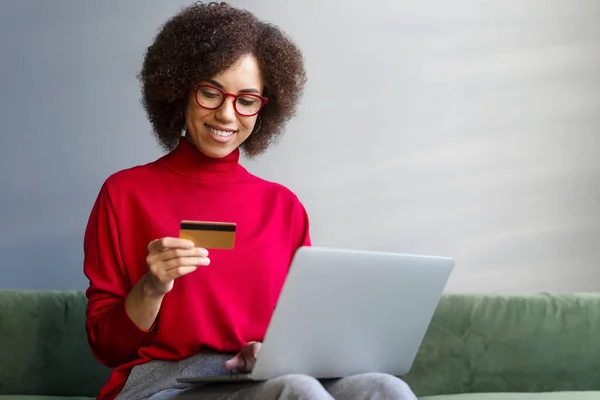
478, 347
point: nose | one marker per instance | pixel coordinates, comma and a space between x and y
226, 112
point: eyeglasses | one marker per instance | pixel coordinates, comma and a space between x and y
246, 104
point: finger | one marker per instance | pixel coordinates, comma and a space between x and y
237, 362
178, 272
249, 364
249, 354
165, 277
251, 349
185, 262
169, 242
175, 253
256, 349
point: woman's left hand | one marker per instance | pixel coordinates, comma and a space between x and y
245, 359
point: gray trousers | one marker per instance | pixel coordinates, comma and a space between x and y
157, 380
371, 386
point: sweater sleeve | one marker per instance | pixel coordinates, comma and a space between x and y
113, 337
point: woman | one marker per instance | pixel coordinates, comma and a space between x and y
215, 81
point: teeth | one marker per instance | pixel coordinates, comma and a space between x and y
219, 133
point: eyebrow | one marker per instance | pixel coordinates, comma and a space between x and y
217, 84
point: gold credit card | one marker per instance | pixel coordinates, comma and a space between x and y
209, 235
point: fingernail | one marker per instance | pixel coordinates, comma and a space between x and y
190, 244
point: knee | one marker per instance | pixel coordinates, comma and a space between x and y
299, 387
382, 386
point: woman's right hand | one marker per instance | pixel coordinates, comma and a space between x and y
168, 259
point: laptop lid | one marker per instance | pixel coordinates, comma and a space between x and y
343, 312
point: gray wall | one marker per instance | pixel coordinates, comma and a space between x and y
465, 128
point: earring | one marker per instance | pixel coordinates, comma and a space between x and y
259, 125
183, 124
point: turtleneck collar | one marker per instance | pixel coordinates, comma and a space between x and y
187, 160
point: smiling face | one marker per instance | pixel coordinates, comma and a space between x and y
216, 132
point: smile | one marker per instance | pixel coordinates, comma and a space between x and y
221, 133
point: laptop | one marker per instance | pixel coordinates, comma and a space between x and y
343, 312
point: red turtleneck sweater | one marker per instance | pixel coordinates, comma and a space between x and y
221, 306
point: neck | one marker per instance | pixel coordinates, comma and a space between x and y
187, 160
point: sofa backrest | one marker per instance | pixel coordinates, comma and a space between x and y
43, 345
475, 343
510, 343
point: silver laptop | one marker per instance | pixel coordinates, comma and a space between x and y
343, 312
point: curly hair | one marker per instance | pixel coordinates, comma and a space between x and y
203, 40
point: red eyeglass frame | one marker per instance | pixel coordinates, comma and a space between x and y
263, 100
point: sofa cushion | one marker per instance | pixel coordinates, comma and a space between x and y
11, 397
44, 347
590, 395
